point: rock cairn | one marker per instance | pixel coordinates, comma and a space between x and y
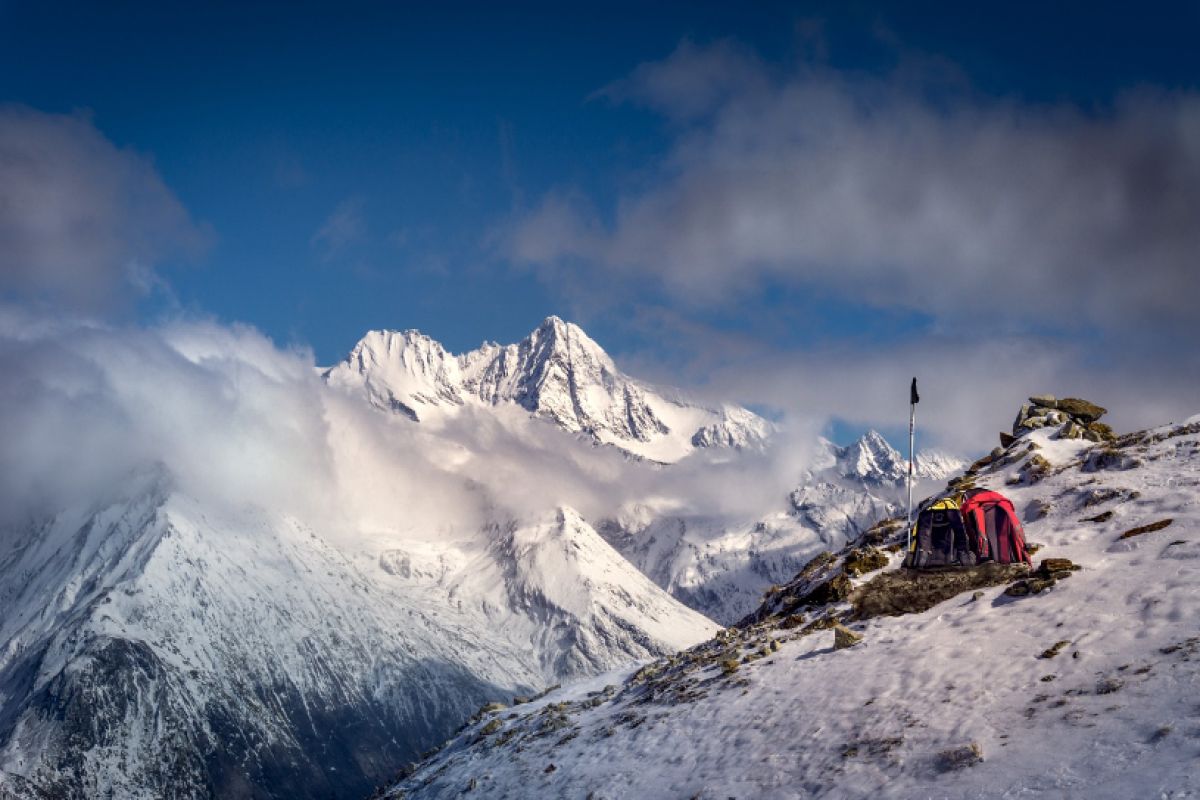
1075, 419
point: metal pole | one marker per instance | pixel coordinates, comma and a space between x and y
912, 423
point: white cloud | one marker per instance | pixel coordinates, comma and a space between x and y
1013, 249
83, 223
234, 421
967, 207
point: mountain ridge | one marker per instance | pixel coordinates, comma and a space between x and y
558, 373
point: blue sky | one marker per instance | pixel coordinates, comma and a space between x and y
469, 169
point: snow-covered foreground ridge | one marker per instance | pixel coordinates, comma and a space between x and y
1070, 683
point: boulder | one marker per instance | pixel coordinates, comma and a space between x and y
1006, 439
1081, 410
1044, 400
843, 637
1019, 422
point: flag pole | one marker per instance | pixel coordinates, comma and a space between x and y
913, 399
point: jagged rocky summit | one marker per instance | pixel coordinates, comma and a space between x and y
1074, 419
556, 373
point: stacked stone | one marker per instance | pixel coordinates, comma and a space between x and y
1075, 419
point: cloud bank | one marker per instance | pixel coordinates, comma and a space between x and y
235, 422
891, 192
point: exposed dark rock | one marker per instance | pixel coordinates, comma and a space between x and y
908, 591
1006, 439
1108, 457
883, 533
1151, 528
1095, 497
1028, 586
958, 758
1053, 566
1055, 649
1035, 469
864, 560
792, 621
1048, 572
1044, 400
1071, 430
1104, 516
819, 624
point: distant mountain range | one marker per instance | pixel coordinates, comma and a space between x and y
154, 645
556, 373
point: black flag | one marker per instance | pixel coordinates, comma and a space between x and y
913, 397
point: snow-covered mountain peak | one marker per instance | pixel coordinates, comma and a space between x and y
557, 373
872, 458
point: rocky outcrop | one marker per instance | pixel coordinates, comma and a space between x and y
907, 591
1075, 418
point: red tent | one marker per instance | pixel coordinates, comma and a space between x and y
994, 527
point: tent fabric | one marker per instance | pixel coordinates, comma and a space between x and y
998, 533
967, 529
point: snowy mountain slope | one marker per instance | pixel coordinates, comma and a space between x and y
162, 648
718, 564
1084, 689
558, 373
721, 566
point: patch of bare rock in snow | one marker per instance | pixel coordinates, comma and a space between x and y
1078, 678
